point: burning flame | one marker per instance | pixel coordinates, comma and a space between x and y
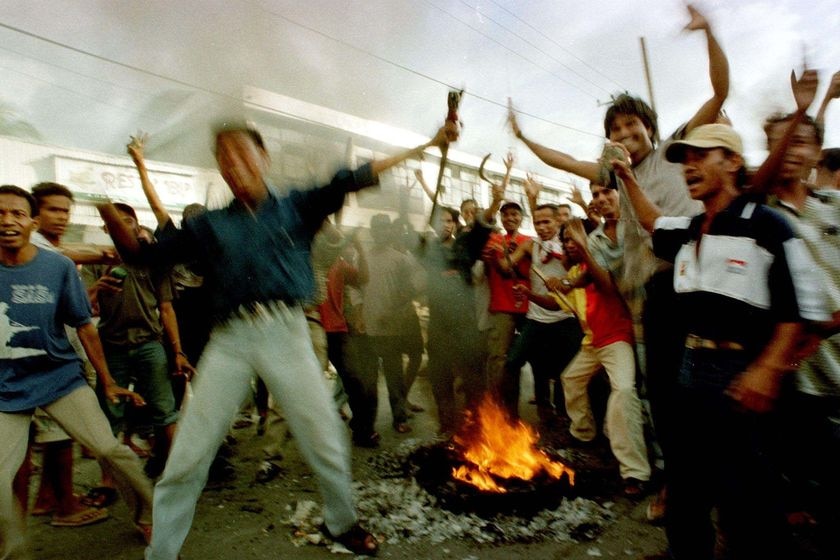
497, 448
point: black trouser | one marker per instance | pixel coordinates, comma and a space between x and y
454, 351
808, 455
719, 459
665, 333
548, 347
356, 367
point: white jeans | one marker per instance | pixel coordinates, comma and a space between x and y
78, 413
624, 410
278, 349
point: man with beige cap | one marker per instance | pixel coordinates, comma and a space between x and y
745, 287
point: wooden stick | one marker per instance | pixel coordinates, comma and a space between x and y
444, 152
561, 296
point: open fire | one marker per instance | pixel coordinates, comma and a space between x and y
496, 451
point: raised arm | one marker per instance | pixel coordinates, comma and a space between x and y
90, 254
497, 192
804, 91
442, 137
555, 158
577, 198
599, 275
646, 211
135, 150
718, 72
418, 173
832, 93
532, 192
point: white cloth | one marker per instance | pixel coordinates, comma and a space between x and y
550, 267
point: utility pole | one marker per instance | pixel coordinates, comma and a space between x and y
647, 78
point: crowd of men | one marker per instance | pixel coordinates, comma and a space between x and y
711, 290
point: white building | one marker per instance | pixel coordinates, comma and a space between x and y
307, 144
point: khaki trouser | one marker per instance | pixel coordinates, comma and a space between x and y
623, 423
79, 415
499, 340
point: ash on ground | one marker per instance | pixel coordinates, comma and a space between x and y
396, 509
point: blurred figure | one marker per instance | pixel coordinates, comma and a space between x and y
256, 254
828, 169
454, 345
810, 443
407, 241
387, 305
357, 376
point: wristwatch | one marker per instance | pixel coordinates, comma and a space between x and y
565, 283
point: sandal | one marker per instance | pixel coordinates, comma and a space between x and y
145, 530
357, 540
99, 497
81, 518
370, 441
402, 428
634, 488
656, 509
267, 472
39, 511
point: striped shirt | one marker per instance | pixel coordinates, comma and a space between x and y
819, 227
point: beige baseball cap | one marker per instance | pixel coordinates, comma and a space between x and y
706, 137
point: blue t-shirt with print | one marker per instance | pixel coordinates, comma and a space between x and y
37, 363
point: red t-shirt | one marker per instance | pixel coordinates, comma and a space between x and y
332, 309
502, 298
607, 317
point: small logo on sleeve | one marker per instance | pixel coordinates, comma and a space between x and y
736, 266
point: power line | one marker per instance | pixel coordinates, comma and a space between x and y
523, 57
544, 36
74, 92
76, 72
420, 74
117, 62
230, 97
537, 48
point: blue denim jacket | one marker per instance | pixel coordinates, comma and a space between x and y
250, 257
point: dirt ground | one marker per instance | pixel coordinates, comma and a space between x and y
244, 519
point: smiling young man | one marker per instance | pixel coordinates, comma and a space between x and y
745, 284
645, 282
40, 293
507, 307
